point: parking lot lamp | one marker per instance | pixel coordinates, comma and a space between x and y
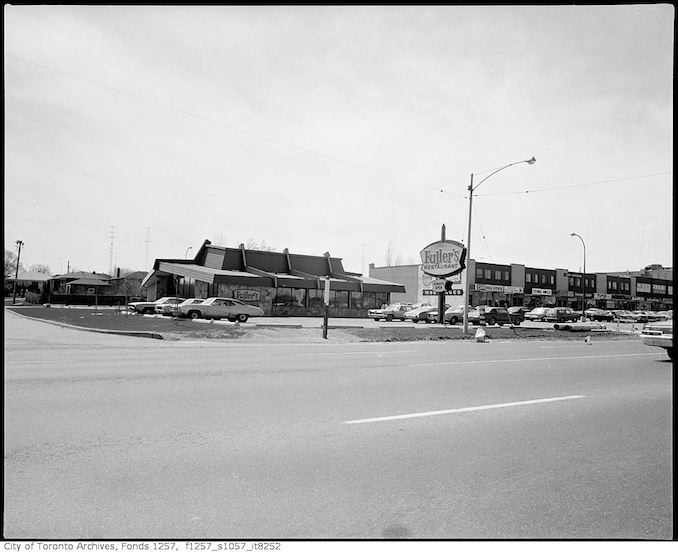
471, 189
16, 275
187, 250
583, 281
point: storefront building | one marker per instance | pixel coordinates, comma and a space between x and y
283, 284
519, 285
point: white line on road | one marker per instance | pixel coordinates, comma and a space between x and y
449, 362
358, 353
457, 410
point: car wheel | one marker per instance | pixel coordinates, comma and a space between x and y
242, 318
453, 320
427, 321
194, 315
231, 319
389, 318
147, 311
491, 322
415, 320
516, 323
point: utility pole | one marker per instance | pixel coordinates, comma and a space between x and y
16, 275
148, 239
111, 233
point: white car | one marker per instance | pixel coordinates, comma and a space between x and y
221, 307
659, 334
171, 308
148, 307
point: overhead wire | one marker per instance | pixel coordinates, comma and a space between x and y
228, 126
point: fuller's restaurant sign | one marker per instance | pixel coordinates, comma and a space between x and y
443, 258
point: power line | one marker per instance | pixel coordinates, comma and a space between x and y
225, 125
577, 185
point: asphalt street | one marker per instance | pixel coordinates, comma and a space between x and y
121, 437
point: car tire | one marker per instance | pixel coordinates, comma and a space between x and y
389, 318
242, 318
491, 322
453, 320
147, 310
415, 320
194, 315
231, 319
516, 323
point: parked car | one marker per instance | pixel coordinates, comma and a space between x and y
221, 307
172, 309
395, 311
537, 314
518, 314
659, 334
623, 316
489, 316
599, 315
562, 314
418, 314
651, 316
148, 307
454, 315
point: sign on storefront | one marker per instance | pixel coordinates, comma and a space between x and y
448, 292
513, 289
246, 295
488, 287
443, 258
541, 291
602, 296
438, 286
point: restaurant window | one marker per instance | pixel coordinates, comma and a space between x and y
283, 297
659, 288
339, 299
298, 297
315, 298
357, 300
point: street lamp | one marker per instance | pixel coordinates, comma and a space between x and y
583, 281
472, 189
16, 275
186, 254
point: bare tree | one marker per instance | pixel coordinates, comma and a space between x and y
258, 246
10, 264
41, 268
389, 254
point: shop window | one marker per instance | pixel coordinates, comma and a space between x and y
669, 290
479, 272
552, 279
506, 275
659, 288
643, 287
283, 297
298, 297
528, 277
543, 278
488, 274
497, 274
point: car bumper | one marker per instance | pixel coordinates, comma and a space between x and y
665, 341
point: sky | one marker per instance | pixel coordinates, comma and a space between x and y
137, 132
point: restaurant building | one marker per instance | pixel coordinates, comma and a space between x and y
283, 284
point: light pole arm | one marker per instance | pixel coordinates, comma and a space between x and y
531, 161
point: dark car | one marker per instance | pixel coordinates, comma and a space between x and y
599, 315
489, 316
562, 314
518, 314
453, 315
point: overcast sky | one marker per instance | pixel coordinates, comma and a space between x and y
341, 129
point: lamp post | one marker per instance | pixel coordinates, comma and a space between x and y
472, 189
583, 281
186, 254
16, 275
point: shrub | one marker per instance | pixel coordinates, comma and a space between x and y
33, 298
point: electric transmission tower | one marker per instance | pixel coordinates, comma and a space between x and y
111, 233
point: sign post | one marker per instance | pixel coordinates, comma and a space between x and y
326, 298
442, 259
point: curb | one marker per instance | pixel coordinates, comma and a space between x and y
152, 335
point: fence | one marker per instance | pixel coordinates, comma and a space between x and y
89, 300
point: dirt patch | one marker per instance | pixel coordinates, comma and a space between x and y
187, 330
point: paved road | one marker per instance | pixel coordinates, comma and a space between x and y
121, 437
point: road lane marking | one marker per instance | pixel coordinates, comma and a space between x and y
466, 409
449, 362
358, 353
